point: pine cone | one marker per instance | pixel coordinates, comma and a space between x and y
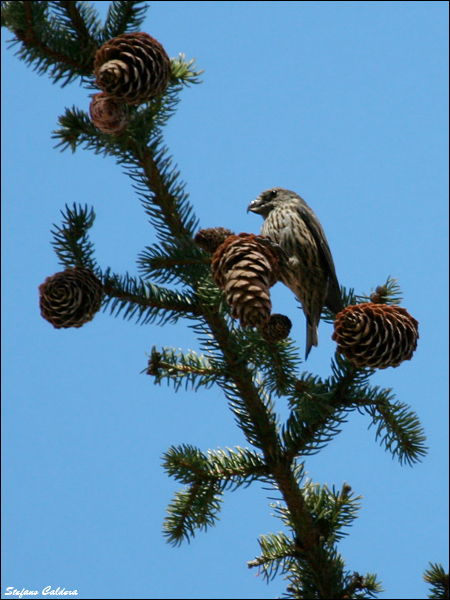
107, 114
376, 335
380, 295
246, 266
277, 328
211, 238
70, 298
132, 67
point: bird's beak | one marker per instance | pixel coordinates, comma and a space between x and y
254, 205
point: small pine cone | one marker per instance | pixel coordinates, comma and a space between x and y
246, 266
380, 295
211, 238
376, 335
132, 67
277, 328
70, 298
107, 114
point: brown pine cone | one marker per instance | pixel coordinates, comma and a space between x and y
277, 328
376, 335
246, 266
70, 298
211, 238
107, 114
132, 67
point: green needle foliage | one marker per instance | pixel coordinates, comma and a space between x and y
438, 579
60, 39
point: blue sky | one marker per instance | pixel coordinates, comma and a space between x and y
347, 104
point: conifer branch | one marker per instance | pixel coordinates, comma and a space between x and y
250, 408
177, 261
207, 476
153, 177
400, 430
172, 365
146, 302
228, 468
278, 362
258, 423
439, 581
237, 466
70, 240
76, 16
319, 408
359, 586
194, 508
45, 41
278, 553
122, 17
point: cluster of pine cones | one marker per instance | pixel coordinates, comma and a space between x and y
130, 69
372, 334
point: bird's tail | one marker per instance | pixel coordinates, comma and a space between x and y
312, 339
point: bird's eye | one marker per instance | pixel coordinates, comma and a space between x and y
273, 193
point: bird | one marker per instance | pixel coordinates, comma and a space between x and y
308, 268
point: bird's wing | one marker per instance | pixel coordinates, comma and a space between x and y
333, 297
318, 233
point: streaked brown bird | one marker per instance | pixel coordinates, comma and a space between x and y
309, 270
